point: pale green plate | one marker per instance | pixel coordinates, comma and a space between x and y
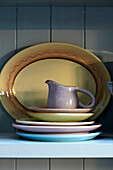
61, 117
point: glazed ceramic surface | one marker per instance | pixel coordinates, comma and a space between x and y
56, 129
66, 97
59, 138
24, 75
39, 123
110, 86
61, 117
54, 110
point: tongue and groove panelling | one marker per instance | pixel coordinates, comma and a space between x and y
92, 28
7, 50
99, 39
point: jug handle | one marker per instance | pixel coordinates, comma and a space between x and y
89, 94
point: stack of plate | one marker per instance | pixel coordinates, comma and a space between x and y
22, 84
60, 125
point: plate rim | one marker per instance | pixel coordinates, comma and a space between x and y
57, 127
59, 137
56, 110
40, 122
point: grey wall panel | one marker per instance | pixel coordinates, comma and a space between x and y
99, 39
68, 25
32, 164
98, 164
33, 26
7, 164
7, 50
66, 164
99, 28
56, 2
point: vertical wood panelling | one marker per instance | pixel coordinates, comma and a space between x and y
99, 28
7, 49
98, 164
66, 164
33, 26
68, 25
32, 164
99, 38
7, 164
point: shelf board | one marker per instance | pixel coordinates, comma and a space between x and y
11, 146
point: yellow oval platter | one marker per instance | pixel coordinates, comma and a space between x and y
23, 77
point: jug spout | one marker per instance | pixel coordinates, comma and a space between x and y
110, 86
49, 81
52, 83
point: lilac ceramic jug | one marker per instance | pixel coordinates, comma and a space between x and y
66, 97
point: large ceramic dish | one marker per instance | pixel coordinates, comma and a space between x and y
23, 77
40, 123
59, 138
56, 129
61, 117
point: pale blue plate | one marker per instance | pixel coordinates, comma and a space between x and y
59, 138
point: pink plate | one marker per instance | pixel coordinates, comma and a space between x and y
56, 129
56, 110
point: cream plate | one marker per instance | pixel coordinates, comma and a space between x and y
40, 123
24, 75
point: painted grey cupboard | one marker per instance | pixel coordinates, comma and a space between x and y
88, 24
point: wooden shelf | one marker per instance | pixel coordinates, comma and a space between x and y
11, 146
